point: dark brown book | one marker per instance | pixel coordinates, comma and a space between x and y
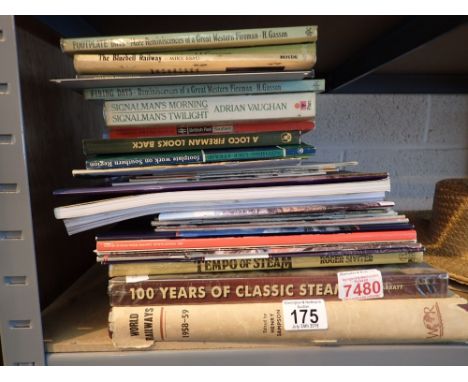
408, 281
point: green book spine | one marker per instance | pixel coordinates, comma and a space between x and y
122, 146
191, 40
201, 90
198, 156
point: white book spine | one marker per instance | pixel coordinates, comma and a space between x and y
196, 110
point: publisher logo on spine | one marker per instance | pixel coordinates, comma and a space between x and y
303, 105
432, 320
286, 137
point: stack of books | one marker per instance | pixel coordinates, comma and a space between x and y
226, 230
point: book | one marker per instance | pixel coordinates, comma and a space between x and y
196, 142
329, 253
144, 267
262, 58
135, 188
85, 81
423, 320
226, 128
191, 40
230, 194
201, 110
320, 221
252, 241
203, 89
282, 230
95, 214
407, 281
200, 156
157, 173
251, 213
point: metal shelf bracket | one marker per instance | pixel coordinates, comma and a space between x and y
20, 316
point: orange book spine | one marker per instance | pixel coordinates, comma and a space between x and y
253, 241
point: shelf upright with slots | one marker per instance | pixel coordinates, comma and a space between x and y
20, 316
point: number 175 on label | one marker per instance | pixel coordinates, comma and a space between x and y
305, 315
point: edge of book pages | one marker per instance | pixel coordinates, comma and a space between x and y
103, 81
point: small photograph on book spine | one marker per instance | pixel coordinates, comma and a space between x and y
212, 201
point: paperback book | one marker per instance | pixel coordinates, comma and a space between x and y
191, 40
200, 110
200, 156
204, 89
262, 58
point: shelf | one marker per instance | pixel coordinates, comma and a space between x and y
75, 333
410, 355
385, 54
40, 116
77, 320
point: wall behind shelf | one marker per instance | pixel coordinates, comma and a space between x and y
418, 139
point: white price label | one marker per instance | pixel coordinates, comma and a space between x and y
360, 285
305, 315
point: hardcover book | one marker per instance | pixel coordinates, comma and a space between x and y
138, 266
404, 281
381, 321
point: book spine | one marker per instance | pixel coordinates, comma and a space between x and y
254, 241
220, 232
178, 157
202, 110
264, 289
204, 90
372, 321
144, 268
191, 40
246, 212
278, 57
165, 144
228, 128
201, 156
260, 153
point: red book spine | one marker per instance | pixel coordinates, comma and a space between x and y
266, 289
229, 128
253, 241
